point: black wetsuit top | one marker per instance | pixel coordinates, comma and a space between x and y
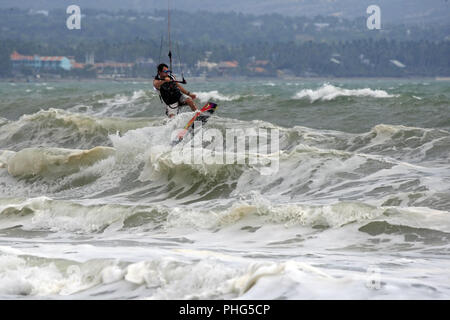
169, 91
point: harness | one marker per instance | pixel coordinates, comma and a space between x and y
169, 93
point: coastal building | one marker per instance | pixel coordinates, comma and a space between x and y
113, 69
258, 66
227, 65
40, 62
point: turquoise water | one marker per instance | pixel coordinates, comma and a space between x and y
92, 203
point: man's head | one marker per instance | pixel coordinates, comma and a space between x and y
163, 70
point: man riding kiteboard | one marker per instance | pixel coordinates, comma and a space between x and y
171, 92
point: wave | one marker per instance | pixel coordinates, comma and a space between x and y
215, 96
61, 128
5, 155
304, 173
46, 214
392, 164
258, 211
411, 144
157, 278
120, 105
211, 276
416, 145
411, 234
124, 99
36, 276
3, 121
388, 164
53, 162
201, 274
329, 92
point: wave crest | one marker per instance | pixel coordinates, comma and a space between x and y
59, 128
215, 96
329, 92
53, 162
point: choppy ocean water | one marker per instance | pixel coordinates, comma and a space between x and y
92, 205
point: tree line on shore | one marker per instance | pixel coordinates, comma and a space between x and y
271, 39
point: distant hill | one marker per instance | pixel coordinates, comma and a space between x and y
399, 11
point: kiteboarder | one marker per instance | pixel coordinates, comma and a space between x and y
171, 92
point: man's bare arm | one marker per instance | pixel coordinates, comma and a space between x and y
183, 90
158, 83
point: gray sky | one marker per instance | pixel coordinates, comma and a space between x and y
409, 11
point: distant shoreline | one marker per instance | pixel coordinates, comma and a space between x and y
219, 79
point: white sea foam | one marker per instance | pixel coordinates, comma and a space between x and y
207, 274
5, 155
53, 161
43, 213
34, 277
215, 96
64, 216
121, 99
329, 92
125, 105
341, 205
49, 127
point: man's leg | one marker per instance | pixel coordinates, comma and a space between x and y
191, 104
171, 112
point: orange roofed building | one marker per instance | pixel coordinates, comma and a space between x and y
40, 62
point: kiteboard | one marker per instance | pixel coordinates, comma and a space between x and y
203, 116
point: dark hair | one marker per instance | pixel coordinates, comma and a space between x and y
162, 66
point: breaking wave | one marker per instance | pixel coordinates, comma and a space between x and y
60, 128
52, 162
95, 202
329, 92
215, 96
311, 165
46, 214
